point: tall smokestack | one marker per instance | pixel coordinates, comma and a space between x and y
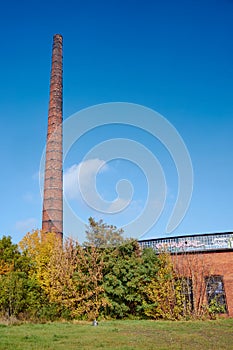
52, 220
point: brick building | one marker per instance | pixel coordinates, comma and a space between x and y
207, 261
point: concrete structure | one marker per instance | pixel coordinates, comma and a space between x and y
52, 220
206, 260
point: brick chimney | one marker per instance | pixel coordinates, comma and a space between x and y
52, 218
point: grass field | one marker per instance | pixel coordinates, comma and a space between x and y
121, 335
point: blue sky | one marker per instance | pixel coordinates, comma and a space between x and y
174, 57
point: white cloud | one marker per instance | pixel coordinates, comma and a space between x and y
71, 182
26, 225
82, 176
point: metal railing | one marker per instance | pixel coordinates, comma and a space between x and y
204, 242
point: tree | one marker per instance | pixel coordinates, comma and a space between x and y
70, 275
194, 267
102, 235
12, 292
57, 278
38, 247
19, 293
89, 281
9, 255
163, 297
127, 271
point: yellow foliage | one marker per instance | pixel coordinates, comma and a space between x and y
39, 247
70, 275
163, 292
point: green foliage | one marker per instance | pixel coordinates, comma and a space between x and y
108, 277
163, 294
126, 272
20, 296
12, 293
215, 307
102, 235
9, 255
8, 250
88, 278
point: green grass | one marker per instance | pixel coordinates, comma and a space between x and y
121, 335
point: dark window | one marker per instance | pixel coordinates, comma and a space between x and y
186, 289
216, 293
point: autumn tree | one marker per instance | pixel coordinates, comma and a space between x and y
90, 283
102, 235
19, 293
70, 275
107, 276
163, 295
38, 247
9, 255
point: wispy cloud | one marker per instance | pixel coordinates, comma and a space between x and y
26, 225
80, 177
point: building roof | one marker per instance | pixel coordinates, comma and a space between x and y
190, 243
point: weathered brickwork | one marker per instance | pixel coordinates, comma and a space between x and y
204, 264
52, 218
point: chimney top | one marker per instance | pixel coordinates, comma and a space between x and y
57, 36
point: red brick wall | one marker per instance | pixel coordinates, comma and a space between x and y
200, 265
53, 184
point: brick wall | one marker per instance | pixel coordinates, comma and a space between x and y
52, 217
201, 265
